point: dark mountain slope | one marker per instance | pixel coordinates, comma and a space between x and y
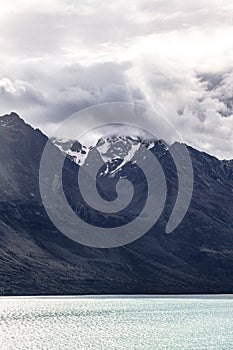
37, 259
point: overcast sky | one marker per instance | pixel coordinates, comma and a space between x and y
59, 56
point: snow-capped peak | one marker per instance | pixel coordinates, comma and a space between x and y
74, 149
118, 150
117, 147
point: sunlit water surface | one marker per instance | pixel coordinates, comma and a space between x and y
116, 323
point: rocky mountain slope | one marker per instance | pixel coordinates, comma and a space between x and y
35, 258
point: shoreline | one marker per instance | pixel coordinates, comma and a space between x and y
123, 296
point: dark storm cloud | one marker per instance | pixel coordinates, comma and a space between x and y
68, 90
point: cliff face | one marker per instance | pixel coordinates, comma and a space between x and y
35, 258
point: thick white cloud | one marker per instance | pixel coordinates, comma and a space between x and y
59, 56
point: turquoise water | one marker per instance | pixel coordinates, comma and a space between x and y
156, 323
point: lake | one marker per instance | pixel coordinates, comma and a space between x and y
142, 322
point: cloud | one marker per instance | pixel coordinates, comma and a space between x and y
199, 106
60, 56
18, 94
55, 93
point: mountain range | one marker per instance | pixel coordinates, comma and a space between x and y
37, 259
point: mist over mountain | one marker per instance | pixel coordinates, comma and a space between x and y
35, 258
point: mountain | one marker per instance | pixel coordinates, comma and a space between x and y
74, 149
35, 258
112, 149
